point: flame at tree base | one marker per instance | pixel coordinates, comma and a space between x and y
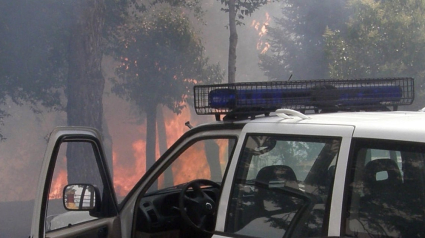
129, 156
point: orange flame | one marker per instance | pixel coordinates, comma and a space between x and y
128, 171
223, 153
261, 27
59, 181
129, 168
187, 170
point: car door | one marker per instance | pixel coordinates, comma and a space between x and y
75, 196
152, 208
305, 202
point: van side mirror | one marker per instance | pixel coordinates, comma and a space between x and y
81, 197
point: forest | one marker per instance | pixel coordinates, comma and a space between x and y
128, 67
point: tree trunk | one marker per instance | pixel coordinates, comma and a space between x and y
233, 41
85, 81
162, 140
151, 137
213, 157
107, 146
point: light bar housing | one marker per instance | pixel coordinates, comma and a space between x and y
253, 98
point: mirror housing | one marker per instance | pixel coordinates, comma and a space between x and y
81, 197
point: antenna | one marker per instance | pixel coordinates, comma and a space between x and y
290, 77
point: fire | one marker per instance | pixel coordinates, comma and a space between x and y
59, 181
174, 124
183, 171
261, 27
128, 171
223, 153
129, 166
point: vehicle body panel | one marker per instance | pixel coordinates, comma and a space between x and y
396, 126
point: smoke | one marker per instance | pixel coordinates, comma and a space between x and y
26, 132
217, 39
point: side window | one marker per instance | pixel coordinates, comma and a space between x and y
282, 185
386, 189
75, 164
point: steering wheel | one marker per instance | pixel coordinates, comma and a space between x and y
197, 208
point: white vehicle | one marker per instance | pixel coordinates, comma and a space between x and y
281, 163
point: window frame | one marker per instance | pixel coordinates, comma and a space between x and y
369, 143
288, 137
109, 208
188, 145
173, 154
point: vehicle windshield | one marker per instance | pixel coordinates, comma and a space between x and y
286, 181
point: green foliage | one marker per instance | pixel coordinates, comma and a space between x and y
34, 45
161, 60
32, 50
120, 12
297, 42
381, 39
30, 69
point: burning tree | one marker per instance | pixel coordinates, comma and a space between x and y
85, 81
94, 22
161, 59
237, 10
51, 47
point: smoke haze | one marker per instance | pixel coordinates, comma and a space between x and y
27, 132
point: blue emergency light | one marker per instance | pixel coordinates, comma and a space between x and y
319, 95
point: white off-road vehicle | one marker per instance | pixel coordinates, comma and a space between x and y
318, 158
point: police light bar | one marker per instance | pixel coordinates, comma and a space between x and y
326, 95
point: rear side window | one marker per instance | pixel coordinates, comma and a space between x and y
386, 189
282, 186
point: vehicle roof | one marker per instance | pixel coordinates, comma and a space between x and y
350, 118
399, 125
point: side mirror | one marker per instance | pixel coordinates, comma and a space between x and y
81, 197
